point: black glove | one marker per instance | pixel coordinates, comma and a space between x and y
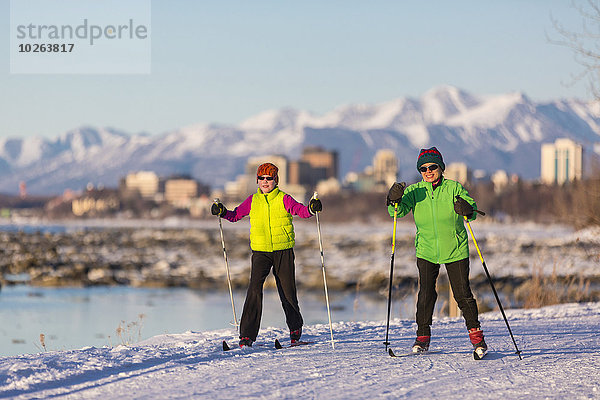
461, 207
395, 194
314, 206
218, 209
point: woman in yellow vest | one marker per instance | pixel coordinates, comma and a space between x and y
272, 242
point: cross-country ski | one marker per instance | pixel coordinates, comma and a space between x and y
411, 353
279, 346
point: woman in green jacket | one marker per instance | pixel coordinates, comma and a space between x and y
438, 207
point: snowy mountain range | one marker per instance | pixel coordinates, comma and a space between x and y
486, 132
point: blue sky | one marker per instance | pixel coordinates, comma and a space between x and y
224, 61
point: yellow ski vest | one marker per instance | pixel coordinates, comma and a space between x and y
271, 226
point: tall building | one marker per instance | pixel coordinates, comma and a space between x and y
377, 177
385, 167
561, 161
145, 182
180, 191
457, 171
299, 172
500, 180
323, 163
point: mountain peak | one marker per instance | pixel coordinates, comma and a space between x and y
274, 120
446, 101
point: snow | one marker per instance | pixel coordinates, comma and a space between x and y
443, 102
192, 365
417, 134
26, 154
489, 113
275, 120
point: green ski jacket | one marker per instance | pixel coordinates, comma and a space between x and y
441, 235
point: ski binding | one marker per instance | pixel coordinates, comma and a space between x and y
279, 346
412, 353
479, 353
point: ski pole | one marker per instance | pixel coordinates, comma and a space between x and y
518, 352
324, 275
227, 270
389, 305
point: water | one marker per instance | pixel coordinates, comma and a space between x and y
72, 318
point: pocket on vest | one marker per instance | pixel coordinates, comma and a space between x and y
288, 234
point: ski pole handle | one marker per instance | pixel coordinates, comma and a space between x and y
314, 197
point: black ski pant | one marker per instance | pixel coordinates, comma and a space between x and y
284, 271
458, 274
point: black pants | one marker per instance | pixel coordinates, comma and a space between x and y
458, 274
284, 271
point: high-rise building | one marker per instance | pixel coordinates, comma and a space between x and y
180, 191
500, 180
323, 163
457, 171
145, 182
385, 167
299, 172
561, 161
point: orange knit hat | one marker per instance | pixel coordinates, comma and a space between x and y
268, 169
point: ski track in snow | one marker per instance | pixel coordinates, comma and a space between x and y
192, 364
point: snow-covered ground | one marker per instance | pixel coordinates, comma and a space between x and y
560, 345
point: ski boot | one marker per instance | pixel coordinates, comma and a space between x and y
421, 344
295, 335
246, 341
479, 345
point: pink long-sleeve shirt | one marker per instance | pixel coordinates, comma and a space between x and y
291, 206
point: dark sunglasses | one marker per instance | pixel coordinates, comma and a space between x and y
432, 167
262, 178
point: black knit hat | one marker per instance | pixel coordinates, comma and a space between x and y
431, 155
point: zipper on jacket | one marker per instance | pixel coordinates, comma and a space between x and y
435, 224
269, 220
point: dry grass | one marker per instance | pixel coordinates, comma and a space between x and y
131, 332
43, 341
544, 290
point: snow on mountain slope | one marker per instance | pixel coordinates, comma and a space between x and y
487, 113
444, 102
21, 152
489, 132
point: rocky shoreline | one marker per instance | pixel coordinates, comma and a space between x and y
357, 258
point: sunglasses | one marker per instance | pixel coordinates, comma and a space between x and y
432, 167
262, 178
